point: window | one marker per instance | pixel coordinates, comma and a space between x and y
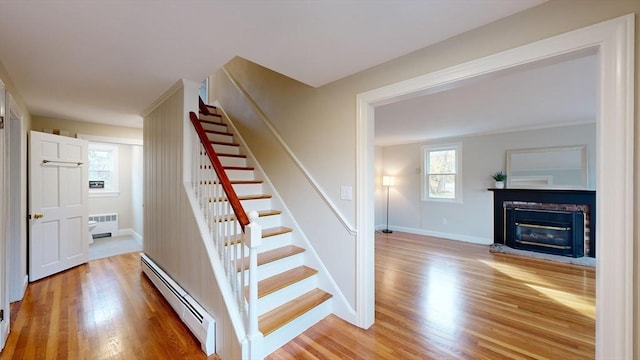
442, 180
103, 168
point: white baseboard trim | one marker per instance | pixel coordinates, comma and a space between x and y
130, 232
450, 236
25, 283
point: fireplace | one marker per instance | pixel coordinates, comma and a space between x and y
555, 232
556, 221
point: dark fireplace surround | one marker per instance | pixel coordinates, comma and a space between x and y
560, 222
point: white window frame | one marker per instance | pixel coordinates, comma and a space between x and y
115, 180
426, 150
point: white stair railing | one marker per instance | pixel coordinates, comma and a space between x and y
235, 236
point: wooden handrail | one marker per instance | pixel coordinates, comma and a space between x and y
203, 107
232, 197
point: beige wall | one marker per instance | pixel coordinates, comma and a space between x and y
319, 124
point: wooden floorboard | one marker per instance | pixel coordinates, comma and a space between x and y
442, 299
435, 299
106, 309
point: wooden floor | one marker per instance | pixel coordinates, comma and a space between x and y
106, 309
435, 299
441, 299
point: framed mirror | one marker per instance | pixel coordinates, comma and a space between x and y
563, 167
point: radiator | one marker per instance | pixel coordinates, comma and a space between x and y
201, 324
107, 225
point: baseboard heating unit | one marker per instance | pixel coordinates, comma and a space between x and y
107, 225
201, 324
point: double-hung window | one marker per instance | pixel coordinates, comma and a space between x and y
103, 169
442, 173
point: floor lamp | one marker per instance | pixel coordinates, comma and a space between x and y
387, 181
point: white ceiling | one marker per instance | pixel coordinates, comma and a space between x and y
106, 61
555, 92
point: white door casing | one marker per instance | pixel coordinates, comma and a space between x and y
614, 41
58, 193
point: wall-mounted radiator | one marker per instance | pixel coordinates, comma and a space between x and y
201, 324
107, 225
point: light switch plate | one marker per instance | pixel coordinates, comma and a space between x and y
346, 192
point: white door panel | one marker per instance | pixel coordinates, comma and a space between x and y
58, 204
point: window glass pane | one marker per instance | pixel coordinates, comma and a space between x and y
101, 165
442, 186
442, 162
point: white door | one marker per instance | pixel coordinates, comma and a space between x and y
58, 191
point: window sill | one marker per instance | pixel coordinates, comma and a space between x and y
104, 194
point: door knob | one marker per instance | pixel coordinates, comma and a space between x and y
38, 216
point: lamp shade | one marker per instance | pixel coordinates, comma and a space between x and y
388, 180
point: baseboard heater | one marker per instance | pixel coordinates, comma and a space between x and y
201, 324
107, 225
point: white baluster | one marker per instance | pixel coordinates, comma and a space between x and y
253, 239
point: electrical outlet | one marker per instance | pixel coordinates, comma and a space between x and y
444, 221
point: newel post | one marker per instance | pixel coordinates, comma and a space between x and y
253, 240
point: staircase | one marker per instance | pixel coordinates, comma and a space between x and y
289, 300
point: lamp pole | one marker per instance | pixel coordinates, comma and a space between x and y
387, 180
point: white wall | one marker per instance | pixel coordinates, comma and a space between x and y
471, 220
122, 203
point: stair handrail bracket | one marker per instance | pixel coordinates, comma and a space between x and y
230, 230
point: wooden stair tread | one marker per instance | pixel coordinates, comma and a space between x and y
238, 168
282, 280
248, 168
243, 197
233, 182
261, 213
231, 155
282, 315
212, 122
278, 230
223, 143
272, 255
268, 232
210, 114
218, 132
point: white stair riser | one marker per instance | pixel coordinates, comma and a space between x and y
268, 243
240, 174
289, 331
214, 127
240, 189
270, 221
276, 241
220, 137
208, 174
272, 301
209, 117
247, 189
256, 205
247, 205
277, 267
232, 161
226, 149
